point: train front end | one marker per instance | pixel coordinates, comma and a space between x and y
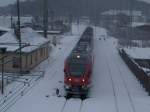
77, 76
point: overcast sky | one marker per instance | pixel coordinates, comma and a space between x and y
6, 2
146, 0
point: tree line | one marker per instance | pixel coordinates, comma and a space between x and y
76, 8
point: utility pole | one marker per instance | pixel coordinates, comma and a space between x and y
131, 11
70, 22
131, 20
2, 76
52, 19
45, 17
19, 35
11, 18
3, 51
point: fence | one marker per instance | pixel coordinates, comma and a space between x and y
140, 74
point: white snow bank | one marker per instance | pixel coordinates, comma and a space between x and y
138, 53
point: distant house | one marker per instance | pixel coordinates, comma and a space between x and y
141, 32
3, 30
138, 16
6, 20
109, 18
59, 25
35, 49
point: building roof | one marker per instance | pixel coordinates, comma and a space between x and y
4, 29
139, 24
6, 20
127, 12
29, 37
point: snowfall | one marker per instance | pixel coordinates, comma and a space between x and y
114, 87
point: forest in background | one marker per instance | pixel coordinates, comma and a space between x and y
76, 8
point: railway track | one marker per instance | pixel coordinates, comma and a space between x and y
16, 95
127, 89
73, 105
113, 86
115, 102
123, 82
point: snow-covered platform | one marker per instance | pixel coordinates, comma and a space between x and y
115, 89
141, 57
138, 53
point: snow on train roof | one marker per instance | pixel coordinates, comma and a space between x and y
28, 36
138, 53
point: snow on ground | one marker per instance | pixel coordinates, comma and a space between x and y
114, 87
41, 98
72, 105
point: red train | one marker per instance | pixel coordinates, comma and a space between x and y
78, 66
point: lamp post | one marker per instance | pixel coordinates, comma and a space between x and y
19, 34
45, 17
3, 51
131, 20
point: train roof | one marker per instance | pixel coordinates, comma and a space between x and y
80, 58
82, 50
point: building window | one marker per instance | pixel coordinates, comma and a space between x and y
36, 56
44, 51
16, 62
41, 52
31, 59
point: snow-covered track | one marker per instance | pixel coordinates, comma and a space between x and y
123, 93
72, 105
63, 107
20, 91
127, 90
113, 86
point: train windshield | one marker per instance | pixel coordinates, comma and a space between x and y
77, 64
77, 69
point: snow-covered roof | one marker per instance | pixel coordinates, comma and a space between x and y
6, 20
4, 28
127, 12
28, 36
138, 53
136, 24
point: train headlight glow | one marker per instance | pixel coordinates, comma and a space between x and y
78, 56
83, 80
70, 79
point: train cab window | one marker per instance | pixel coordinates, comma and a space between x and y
77, 69
77, 66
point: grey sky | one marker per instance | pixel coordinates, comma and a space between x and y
146, 1
6, 2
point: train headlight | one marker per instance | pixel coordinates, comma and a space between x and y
70, 79
78, 56
83, 80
